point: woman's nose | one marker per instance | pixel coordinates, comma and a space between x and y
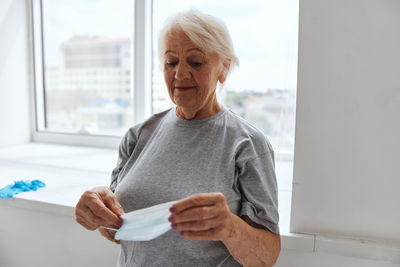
182, 72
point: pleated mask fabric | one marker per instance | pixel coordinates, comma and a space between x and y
145, 224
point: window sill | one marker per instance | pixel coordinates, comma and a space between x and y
68, 171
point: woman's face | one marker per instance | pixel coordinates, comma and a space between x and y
191, 74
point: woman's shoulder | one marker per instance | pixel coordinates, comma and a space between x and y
244, 128
249, 138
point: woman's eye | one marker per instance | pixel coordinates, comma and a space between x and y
171, 64
196, 64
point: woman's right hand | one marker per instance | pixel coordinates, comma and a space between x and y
99, 207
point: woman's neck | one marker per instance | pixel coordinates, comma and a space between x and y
211, 108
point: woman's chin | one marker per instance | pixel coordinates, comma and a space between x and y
186, 108
183, 103
186, 112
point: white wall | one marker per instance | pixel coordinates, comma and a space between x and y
14, 100
36, 238
347, 154
290, 258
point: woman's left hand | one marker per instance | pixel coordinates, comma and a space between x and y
203, 217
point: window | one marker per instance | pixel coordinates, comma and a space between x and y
85, 53
85, 46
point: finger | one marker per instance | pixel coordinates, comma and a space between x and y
211, 234
94, 221
195, 214
110, 235
99, 209
98, 221
85, 223
111, 201
205, 199
202, 225
90, 220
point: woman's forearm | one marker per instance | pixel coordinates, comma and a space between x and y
207, 217
251, 246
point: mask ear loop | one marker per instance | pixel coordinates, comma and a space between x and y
108, 228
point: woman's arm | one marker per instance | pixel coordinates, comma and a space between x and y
251, 244
207, 217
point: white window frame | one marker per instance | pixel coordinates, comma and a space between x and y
141, 77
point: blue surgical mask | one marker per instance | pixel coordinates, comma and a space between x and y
145, 224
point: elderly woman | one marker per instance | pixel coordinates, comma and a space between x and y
218, 165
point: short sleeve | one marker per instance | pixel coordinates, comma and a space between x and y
125, 149
258, 186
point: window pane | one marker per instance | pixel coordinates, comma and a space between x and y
263, 89
87, 48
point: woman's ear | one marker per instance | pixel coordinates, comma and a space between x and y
226, 65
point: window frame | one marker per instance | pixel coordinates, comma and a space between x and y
141, 79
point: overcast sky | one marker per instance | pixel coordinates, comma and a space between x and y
264, 32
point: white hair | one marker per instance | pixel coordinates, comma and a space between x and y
207, 32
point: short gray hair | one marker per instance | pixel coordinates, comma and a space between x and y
209, 33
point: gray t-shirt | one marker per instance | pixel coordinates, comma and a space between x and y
166, 158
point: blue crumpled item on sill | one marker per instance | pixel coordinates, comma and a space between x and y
20, 186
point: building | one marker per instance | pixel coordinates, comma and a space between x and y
98, 64
94, 73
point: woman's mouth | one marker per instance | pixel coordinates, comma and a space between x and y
183, 88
